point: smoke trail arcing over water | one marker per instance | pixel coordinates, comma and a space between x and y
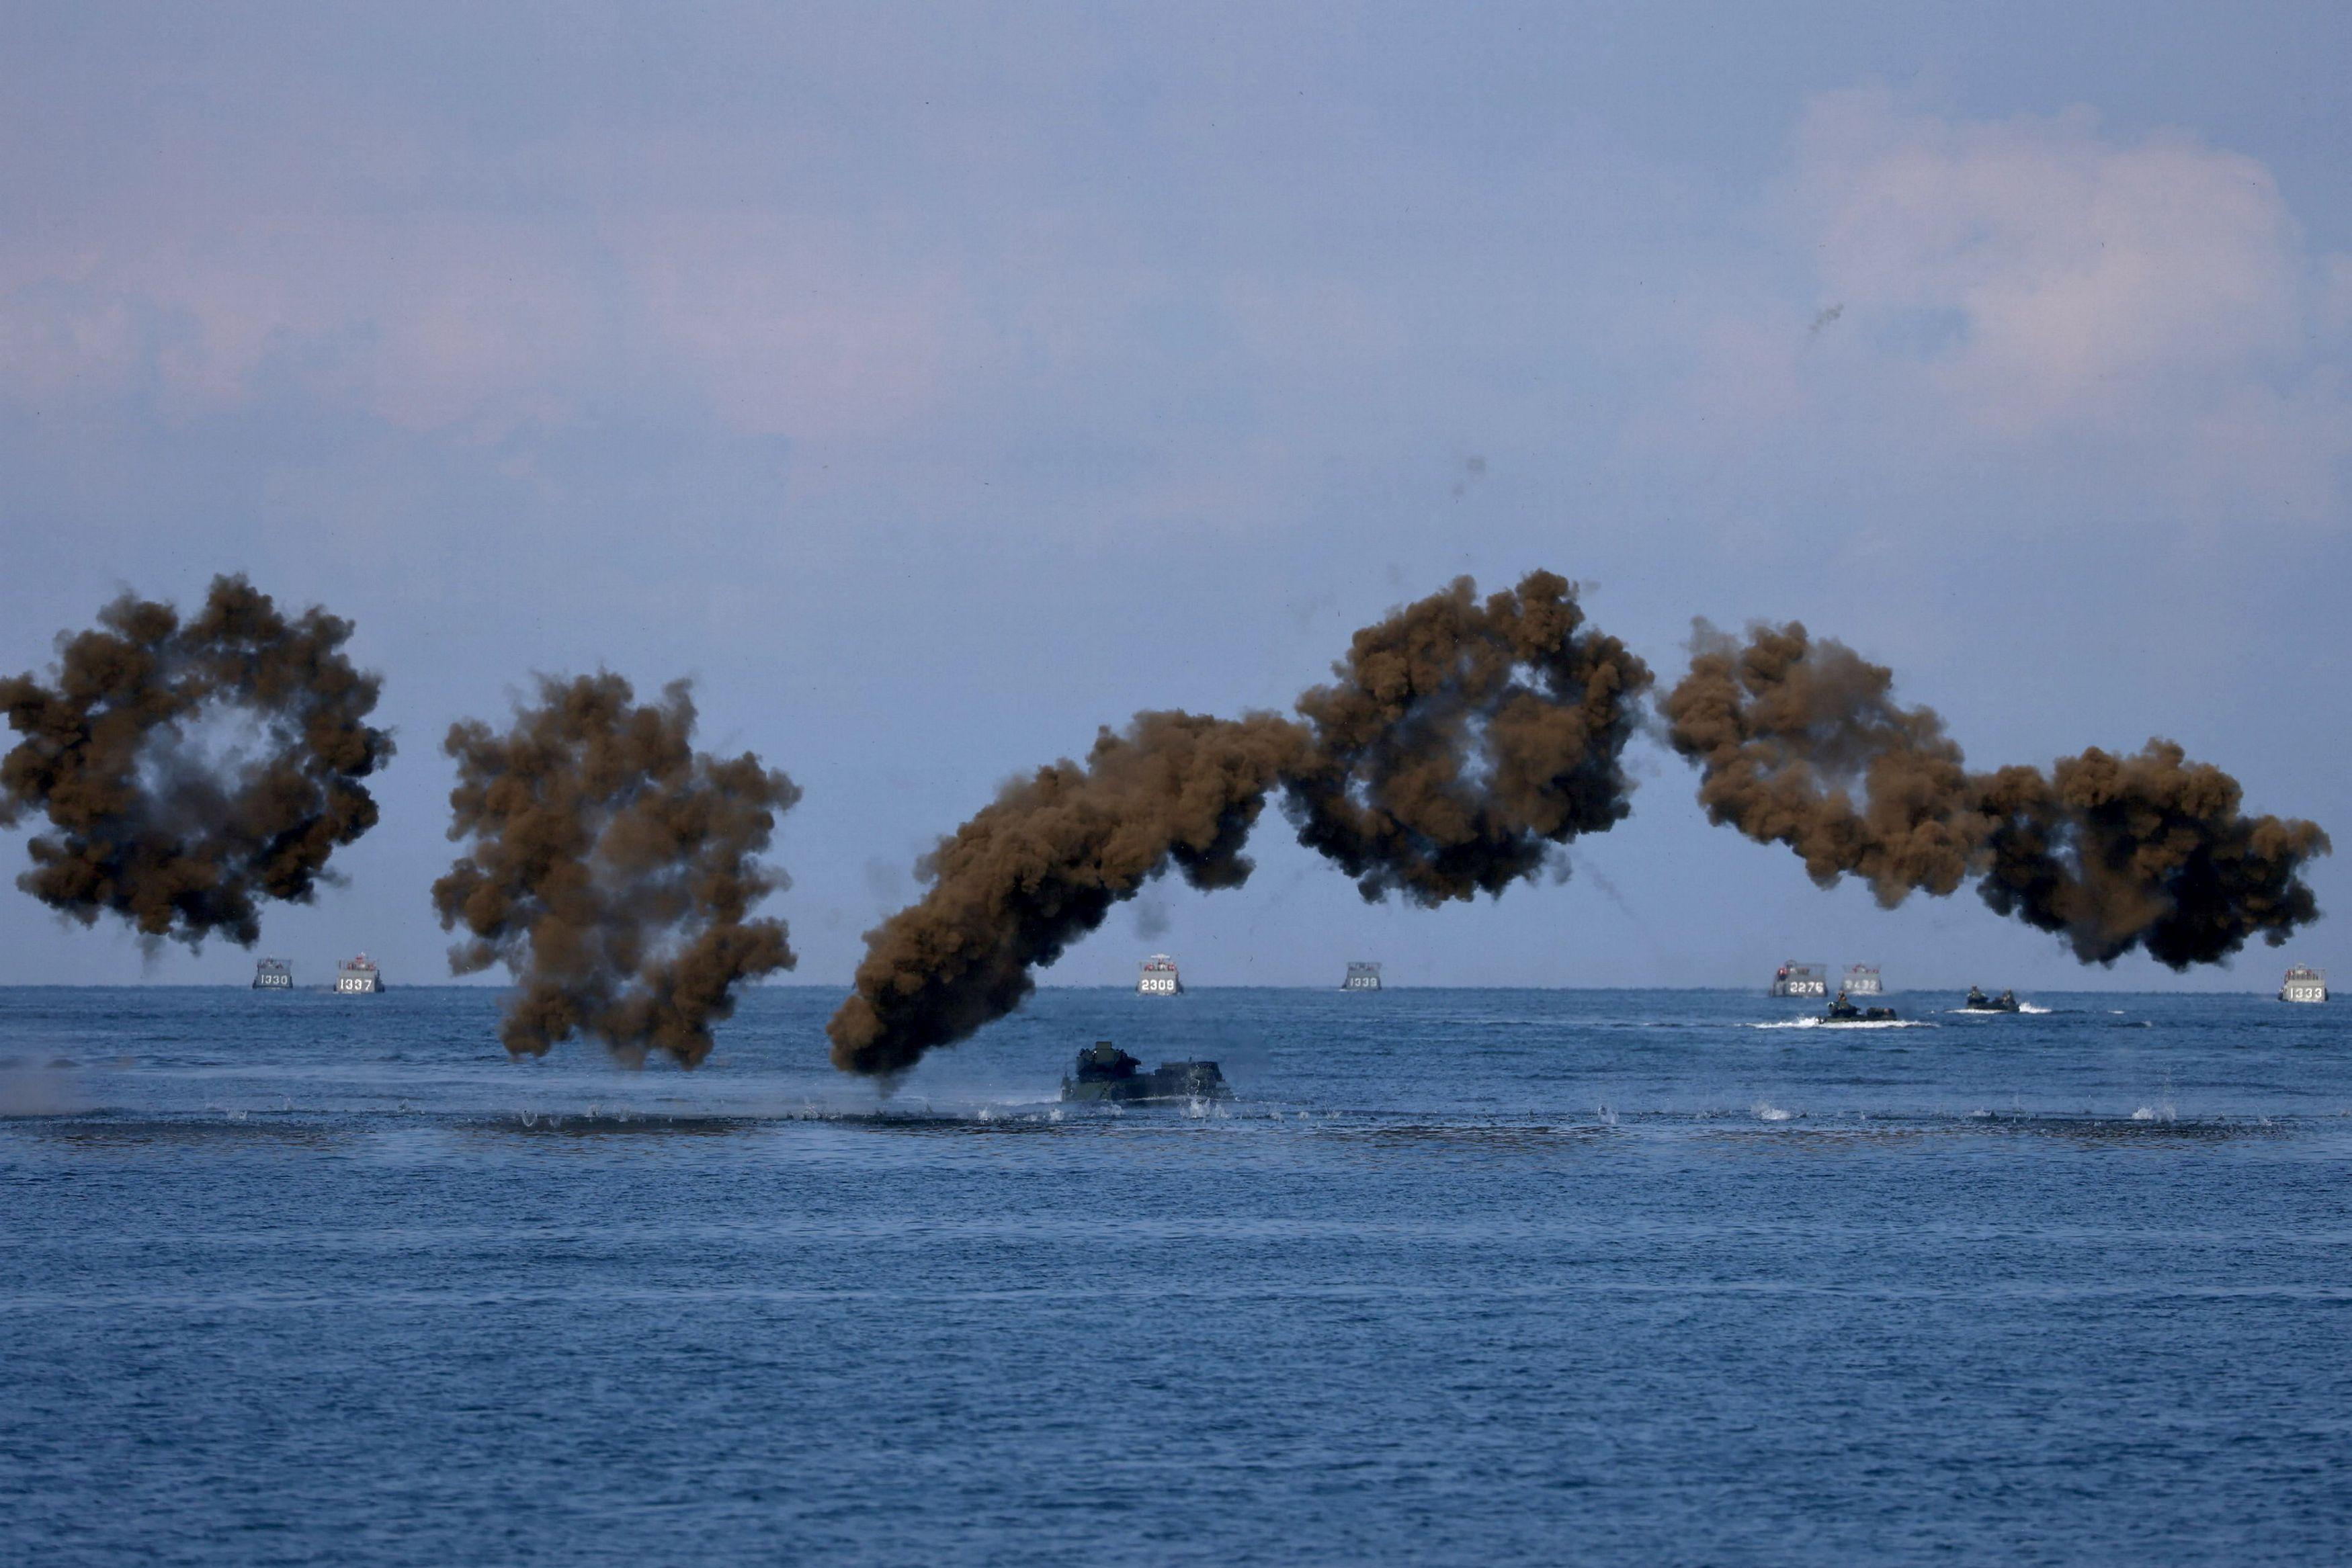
191, 769
611, 869
1463, 742
2110, 853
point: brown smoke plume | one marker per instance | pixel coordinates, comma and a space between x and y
2110, 853
190, 770
1462, 744
611, 869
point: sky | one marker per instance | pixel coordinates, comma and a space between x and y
932, 385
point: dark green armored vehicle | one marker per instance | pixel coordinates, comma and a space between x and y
1106, 1073
1845, 1011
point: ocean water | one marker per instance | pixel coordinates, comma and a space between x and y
1460, 1277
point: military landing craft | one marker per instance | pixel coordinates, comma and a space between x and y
1106, 1073
1979, 1002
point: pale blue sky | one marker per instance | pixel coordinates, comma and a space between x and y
933, 385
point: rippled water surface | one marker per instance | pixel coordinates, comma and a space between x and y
1461, 1277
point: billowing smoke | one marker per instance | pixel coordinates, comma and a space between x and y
1801, 743
2151, 848
1040, 867
188, 770
1786, 732
1462, 745
611, 869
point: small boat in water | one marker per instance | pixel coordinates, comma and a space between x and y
1979, 1002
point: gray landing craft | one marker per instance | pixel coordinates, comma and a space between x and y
1795, 980
1979, 1002
1106, 1073
273, 974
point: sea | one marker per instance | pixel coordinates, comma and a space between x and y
1468, 1277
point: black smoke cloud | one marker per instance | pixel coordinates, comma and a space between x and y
1463, 744
151, 820
1801, 743
613, 869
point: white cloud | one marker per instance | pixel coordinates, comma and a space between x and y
795, 324
419, 321
2035, 289
2079, 275
61, 335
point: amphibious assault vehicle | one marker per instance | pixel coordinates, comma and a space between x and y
1106, 1073
1979, 1002
1843, 1011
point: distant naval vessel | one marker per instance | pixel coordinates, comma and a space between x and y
1156, 977
1862, 981
1794, 980
1106, 1073
1361, 977
2304, 984
273, 974
359, 977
